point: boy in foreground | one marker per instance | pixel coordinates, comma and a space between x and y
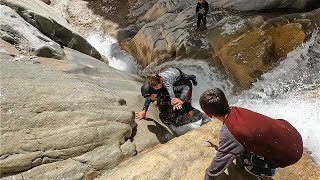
262, 143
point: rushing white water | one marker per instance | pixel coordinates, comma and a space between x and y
207, 76
290, 91
109, 48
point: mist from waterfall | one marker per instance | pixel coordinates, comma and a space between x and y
290, 91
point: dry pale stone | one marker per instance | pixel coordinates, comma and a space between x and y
55, 111
15, 30
188, 156
50, 23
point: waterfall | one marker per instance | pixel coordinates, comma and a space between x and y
109, 48
290, 91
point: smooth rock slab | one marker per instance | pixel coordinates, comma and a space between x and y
75, 112
15, 30
52, 24
48, 115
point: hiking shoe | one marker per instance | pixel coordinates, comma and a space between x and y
193, 78
268, 172
260, 172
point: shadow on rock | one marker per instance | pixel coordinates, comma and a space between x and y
134, 132
237, 171
212, 145
161, 132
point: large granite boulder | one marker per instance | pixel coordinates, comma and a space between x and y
68, 118
170, 36
162, 7
188, 156
245, 46
49, 116
248, 5
15, 30
51, 24
248, 47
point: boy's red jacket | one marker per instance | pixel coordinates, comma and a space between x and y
274, 139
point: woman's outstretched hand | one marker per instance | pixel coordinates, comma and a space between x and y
140, 115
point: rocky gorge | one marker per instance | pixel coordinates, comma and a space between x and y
66, 114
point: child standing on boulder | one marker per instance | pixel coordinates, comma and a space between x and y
202, 11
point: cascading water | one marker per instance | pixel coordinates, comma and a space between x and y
207, 76
290, 91
117, 58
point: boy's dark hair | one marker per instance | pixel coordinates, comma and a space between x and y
214, 102
153, 80
146, 91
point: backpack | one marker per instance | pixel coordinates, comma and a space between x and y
274, 139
